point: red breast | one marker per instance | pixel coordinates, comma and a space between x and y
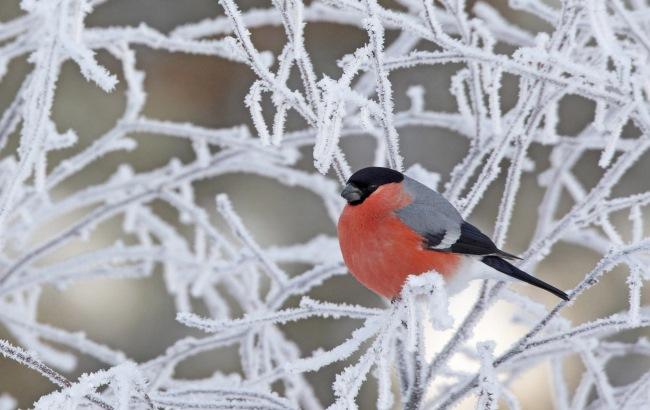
380, 250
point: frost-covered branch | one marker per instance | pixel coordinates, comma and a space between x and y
247, 293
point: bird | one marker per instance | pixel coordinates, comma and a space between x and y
392, 226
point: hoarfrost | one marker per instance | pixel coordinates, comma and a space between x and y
597, 50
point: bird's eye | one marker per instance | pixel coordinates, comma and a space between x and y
372, 188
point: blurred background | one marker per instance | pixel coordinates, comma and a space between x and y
137, 316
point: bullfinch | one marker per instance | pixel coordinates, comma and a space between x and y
393, 226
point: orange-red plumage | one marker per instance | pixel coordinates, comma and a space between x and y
380, 250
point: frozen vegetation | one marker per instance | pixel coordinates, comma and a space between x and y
597, 49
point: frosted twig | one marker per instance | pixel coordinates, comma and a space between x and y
24, 358
226, 210
596, 50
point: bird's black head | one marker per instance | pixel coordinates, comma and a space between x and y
365, 181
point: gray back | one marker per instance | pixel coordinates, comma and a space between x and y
430, 213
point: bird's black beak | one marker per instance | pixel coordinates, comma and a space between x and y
351, 193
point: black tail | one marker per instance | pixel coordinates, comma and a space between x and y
506, 255
510, 270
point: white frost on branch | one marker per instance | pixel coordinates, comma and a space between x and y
488, 385
597, 50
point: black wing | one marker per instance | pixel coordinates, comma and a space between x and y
474, 242
470, 242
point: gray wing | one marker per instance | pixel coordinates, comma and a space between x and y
441, 226
430, 215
